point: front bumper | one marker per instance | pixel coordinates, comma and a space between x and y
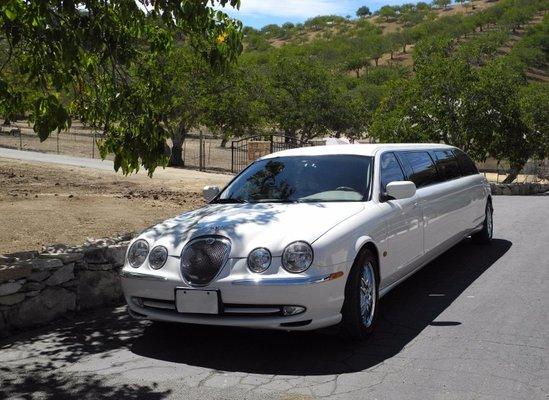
247, 299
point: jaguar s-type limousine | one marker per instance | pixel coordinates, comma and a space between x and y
308, 238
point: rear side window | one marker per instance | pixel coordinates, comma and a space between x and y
447, 164
390, 170
424, 171
466, 165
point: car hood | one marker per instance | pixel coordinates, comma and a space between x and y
249, 226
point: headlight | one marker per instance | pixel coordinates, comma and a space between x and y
138, 253
158, 257
297, 257
259, 260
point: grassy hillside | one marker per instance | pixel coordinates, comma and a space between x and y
482, 28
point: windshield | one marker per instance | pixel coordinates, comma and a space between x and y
301, 179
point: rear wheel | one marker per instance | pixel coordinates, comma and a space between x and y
485, 235
361, 298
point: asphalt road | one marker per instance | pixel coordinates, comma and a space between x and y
473, 324
95, 163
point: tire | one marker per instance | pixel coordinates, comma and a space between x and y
485, 235
359, 320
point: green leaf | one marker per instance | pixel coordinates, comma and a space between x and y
11, 12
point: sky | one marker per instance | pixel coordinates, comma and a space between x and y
258, 13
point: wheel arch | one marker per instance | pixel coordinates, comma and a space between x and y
367, 244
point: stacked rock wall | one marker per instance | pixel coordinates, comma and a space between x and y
36, 288
519, 189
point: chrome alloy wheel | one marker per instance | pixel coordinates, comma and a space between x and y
489, 221
367, 294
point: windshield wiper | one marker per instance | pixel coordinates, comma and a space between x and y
275, 201
229, 201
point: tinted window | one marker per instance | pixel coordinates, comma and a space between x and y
302, 179
390, 170
423, 170
447, 164
466, 165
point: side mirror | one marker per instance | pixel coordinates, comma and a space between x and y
401, 190
209, 192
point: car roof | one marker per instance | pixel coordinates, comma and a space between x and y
354, 149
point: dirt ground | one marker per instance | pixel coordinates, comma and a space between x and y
47, 203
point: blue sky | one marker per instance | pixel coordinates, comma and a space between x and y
258, 13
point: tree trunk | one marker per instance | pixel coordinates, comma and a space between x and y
357, 73
224, 142
176, 156
513, 173
392, 52
377, 60
404, 48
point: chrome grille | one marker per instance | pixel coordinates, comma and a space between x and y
203, 258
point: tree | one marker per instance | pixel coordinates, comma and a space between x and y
516, 132
236, 107
375, 45
355, 62
387, 12
442, 3
404, 37
393, 42
536, 118
439, 104
87, 52
422, 6
363, 12
304, 100
178, 88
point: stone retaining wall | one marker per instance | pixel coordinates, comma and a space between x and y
36, 288
519, 189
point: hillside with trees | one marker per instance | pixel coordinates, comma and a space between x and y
472, 74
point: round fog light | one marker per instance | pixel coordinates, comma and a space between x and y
292, 310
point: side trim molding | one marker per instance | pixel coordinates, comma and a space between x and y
305, 280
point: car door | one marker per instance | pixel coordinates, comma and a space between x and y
435, 199
475, 184
403, 222
454, 192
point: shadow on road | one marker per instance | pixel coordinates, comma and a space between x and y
33, 362
404, 313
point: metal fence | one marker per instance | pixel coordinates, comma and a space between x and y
207, 153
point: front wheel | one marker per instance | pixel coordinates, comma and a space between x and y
361, 298
485, 235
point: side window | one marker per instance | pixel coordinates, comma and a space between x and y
390, 170
424, 171
466, 165
447, 164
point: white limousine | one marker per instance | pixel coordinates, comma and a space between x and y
308, 238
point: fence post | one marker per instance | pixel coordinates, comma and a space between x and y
200, 152
232, 156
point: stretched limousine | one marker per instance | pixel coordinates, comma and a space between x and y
308, 238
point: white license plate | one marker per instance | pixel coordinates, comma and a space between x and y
197, 301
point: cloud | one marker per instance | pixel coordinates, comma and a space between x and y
291, 9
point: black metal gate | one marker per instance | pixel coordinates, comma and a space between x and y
247, 150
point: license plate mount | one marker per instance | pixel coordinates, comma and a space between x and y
196, 301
